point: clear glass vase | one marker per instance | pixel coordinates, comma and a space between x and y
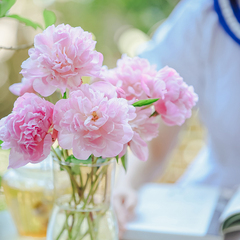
29, 196
83, 196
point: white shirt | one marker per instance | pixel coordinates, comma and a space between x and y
193, 42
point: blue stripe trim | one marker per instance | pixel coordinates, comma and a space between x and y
236, 9
223, 22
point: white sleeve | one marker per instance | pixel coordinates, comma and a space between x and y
178, 41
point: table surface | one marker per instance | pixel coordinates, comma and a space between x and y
232, 236
9, 232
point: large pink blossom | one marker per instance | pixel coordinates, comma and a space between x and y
107, 88
132, 75
179, 99
90, 122
145, 129
28, 130
60, 57
25, 86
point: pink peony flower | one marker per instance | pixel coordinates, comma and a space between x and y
62, 55
23, 87
131, 75
28, 130
145, 129
179, 99
106, 74
107, 88
154, 87
91, 123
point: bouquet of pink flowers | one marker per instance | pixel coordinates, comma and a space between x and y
102, 118
90, 122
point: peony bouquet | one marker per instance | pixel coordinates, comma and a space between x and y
87, 123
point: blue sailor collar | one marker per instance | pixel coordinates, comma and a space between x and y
229, 17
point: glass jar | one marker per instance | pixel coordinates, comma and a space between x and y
29, 196
83, 197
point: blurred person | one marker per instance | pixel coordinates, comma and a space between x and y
201, 40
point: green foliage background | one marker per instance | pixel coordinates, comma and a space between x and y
105, 17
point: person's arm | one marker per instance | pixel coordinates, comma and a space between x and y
138, 173
179, 43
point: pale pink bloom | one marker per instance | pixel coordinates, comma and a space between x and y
120, 93
101, 76
105, 87
131, 75
91, 123
108, 89
145, 129
28, 130
26, 86
109, 76
154, 87
179, 99
60, 57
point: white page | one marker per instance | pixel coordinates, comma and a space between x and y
232, 207
175, 210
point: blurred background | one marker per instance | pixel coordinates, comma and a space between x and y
119, 26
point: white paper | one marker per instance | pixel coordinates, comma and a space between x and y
232, 207
175, 210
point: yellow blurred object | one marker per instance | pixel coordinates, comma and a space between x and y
129, 40
86, 79
30, 210
191, 141
4, 154
29, 196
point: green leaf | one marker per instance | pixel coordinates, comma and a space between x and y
49, 18
101, 160
154, 114
5, 5
26, 21
117, 157
72, 159
75, 169
124, 162
145, 102
65, 95
1, 142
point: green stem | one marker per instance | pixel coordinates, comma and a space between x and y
105, 189
60, 234
81, 180
73, 183
90, 227
66, 225
92, 186
54, 151
78, 226
65, 153
84, 235
94, 179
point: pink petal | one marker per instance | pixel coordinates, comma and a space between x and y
43, 89
16, 159
139, 148
65, 140
79, 152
